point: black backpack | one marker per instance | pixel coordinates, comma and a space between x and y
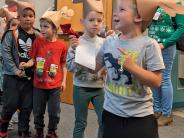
180, 42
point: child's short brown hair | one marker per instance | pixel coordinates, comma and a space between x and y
23, 6
28, 8
85, 15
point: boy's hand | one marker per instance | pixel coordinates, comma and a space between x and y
128, 61
102, 72
19, 73
161, 46
111, 33
63, 86
22, 65
74, 42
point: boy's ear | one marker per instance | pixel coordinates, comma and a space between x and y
137, 19
82, 21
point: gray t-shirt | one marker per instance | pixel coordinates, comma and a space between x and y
125, 96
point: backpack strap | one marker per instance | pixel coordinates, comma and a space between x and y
36, 31
15, 36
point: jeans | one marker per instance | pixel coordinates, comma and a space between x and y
40, 99
18, 93
82, 97
163, 96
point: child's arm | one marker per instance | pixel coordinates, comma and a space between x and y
98, 68
70, 62
148, 78
7, 54
28, 64
179, 32
102, 72
64, 71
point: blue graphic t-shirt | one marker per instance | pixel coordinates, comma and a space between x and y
125, 96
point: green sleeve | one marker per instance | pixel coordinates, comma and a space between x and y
179, 18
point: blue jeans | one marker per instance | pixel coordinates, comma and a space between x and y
163, 96
82, 97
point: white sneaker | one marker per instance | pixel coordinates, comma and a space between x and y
10, 126
14, 118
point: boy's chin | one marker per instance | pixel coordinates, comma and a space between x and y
27, 27
93, 33
43, 35
119, 28
116, 28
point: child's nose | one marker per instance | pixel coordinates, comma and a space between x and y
96, 22
28, 18
114, 14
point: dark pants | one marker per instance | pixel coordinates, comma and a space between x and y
40, 98
1, 97
18, 94
133, 127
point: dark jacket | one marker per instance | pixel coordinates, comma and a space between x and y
10, 52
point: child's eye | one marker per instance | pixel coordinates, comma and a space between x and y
91, 20
45, 26
99, 20
31, 16
121, 9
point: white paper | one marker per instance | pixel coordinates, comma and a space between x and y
86, 56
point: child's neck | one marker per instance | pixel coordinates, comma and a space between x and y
28, 30
89, 35
131, 34
51, 39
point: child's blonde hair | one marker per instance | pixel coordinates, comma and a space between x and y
144, 23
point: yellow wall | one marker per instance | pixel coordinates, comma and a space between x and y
108, 13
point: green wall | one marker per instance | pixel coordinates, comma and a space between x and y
178, 83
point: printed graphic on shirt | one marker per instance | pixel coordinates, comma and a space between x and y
49, 54
25, 41
116, 66
25, 46
123, 89
86, 76
123, 83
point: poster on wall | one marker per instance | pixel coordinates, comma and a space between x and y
71, 13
